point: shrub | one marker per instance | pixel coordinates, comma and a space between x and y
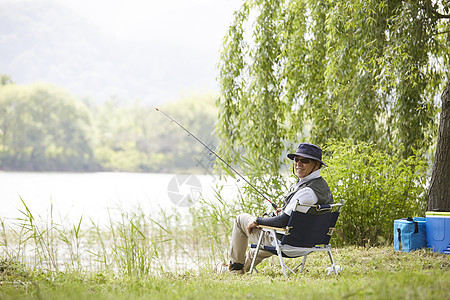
376, 187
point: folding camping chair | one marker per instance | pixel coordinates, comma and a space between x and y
304, 234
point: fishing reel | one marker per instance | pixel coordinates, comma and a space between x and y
271, 214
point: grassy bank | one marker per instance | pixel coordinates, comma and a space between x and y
373, 273
139, 256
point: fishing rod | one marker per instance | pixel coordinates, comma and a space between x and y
210, 150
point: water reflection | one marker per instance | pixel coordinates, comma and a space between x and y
96, 196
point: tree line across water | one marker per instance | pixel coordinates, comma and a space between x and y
45, 128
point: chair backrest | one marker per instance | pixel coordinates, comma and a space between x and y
307, 230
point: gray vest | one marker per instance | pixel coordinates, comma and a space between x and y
320, 188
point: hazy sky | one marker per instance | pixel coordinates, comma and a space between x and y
196, 25
193, 21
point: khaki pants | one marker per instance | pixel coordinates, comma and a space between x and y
240, 240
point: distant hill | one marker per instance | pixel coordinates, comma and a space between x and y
43, 41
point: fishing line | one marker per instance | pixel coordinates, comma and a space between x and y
211, 151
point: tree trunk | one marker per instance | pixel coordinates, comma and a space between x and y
439, 195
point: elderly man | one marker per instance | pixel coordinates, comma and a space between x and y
310, 188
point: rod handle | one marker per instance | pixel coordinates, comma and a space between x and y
274, 205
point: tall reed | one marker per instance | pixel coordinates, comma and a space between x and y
136, 243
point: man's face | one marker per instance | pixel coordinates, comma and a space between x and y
303, 166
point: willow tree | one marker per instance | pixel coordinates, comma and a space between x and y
368, 70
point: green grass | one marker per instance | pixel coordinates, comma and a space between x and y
138, 257
367, 273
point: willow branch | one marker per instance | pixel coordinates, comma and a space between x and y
428, 7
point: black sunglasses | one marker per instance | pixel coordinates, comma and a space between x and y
302, 160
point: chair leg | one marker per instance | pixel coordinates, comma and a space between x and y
256, 252
303, 263
333, 266
280, 255
300, 264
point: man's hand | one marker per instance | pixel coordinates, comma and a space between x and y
251, 226
274, 213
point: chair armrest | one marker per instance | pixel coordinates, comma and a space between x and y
270, 227
277, 229
322, 207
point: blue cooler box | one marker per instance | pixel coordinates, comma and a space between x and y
410, 234
438, 231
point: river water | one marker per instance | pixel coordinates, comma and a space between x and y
99, 196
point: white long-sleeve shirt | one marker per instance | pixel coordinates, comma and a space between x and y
304, 196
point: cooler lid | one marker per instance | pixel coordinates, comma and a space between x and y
440, 214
